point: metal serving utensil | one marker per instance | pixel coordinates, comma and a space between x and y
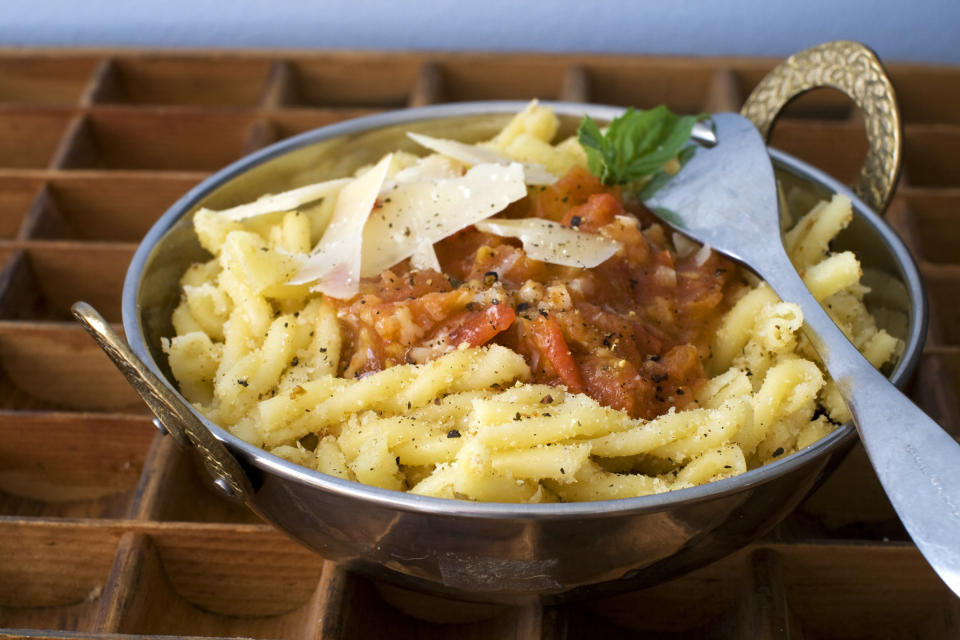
726, 196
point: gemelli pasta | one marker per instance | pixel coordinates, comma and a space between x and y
492, 322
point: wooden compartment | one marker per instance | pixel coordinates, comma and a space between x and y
666, 608
175, 488
107, 208
683, 85
44, 354
365, 609
832, 591
70, 465
943, 283
45, 79
17, 196
836, 148
933, 221
927, 94
44, 280
362, 80
157, 140
214, 581
494, 78
183, 80
56, 365
937, 388
929, 153
948, 369
53, 573
29, 139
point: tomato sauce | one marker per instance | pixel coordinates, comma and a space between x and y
631, 333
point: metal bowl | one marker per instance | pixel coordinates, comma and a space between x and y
491, 552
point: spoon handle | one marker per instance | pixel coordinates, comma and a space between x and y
917, 462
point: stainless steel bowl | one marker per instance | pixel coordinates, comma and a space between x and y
491, 552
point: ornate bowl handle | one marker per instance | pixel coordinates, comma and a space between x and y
855, 70
174, 415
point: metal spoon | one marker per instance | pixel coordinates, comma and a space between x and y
726, 196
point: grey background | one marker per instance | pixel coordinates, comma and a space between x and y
919, 30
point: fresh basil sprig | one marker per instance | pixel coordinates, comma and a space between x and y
636, 145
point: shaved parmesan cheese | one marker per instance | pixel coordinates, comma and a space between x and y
335, 263
472, 155
432, 167
284, 201
702, 255
552, 242
424, 257
684, 245
414, 215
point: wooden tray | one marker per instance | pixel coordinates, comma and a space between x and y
105, 530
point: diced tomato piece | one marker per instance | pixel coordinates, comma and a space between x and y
572, 189
479, 327
682, 362
597, 211
550, 341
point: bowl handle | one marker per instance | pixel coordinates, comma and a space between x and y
173, 413
855, 70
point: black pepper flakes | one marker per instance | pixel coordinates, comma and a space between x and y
453, 433
576, 221
778, 452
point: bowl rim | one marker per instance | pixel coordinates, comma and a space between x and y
407, 502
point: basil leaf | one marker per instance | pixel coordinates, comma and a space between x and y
636, 144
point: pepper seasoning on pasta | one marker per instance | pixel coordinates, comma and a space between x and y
618, 362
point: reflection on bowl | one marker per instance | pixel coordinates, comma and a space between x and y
491, 551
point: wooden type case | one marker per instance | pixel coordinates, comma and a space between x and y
106, 530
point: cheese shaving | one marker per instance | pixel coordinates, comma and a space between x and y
335, 263
414, 215
472, 155
286, 201
552, 242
